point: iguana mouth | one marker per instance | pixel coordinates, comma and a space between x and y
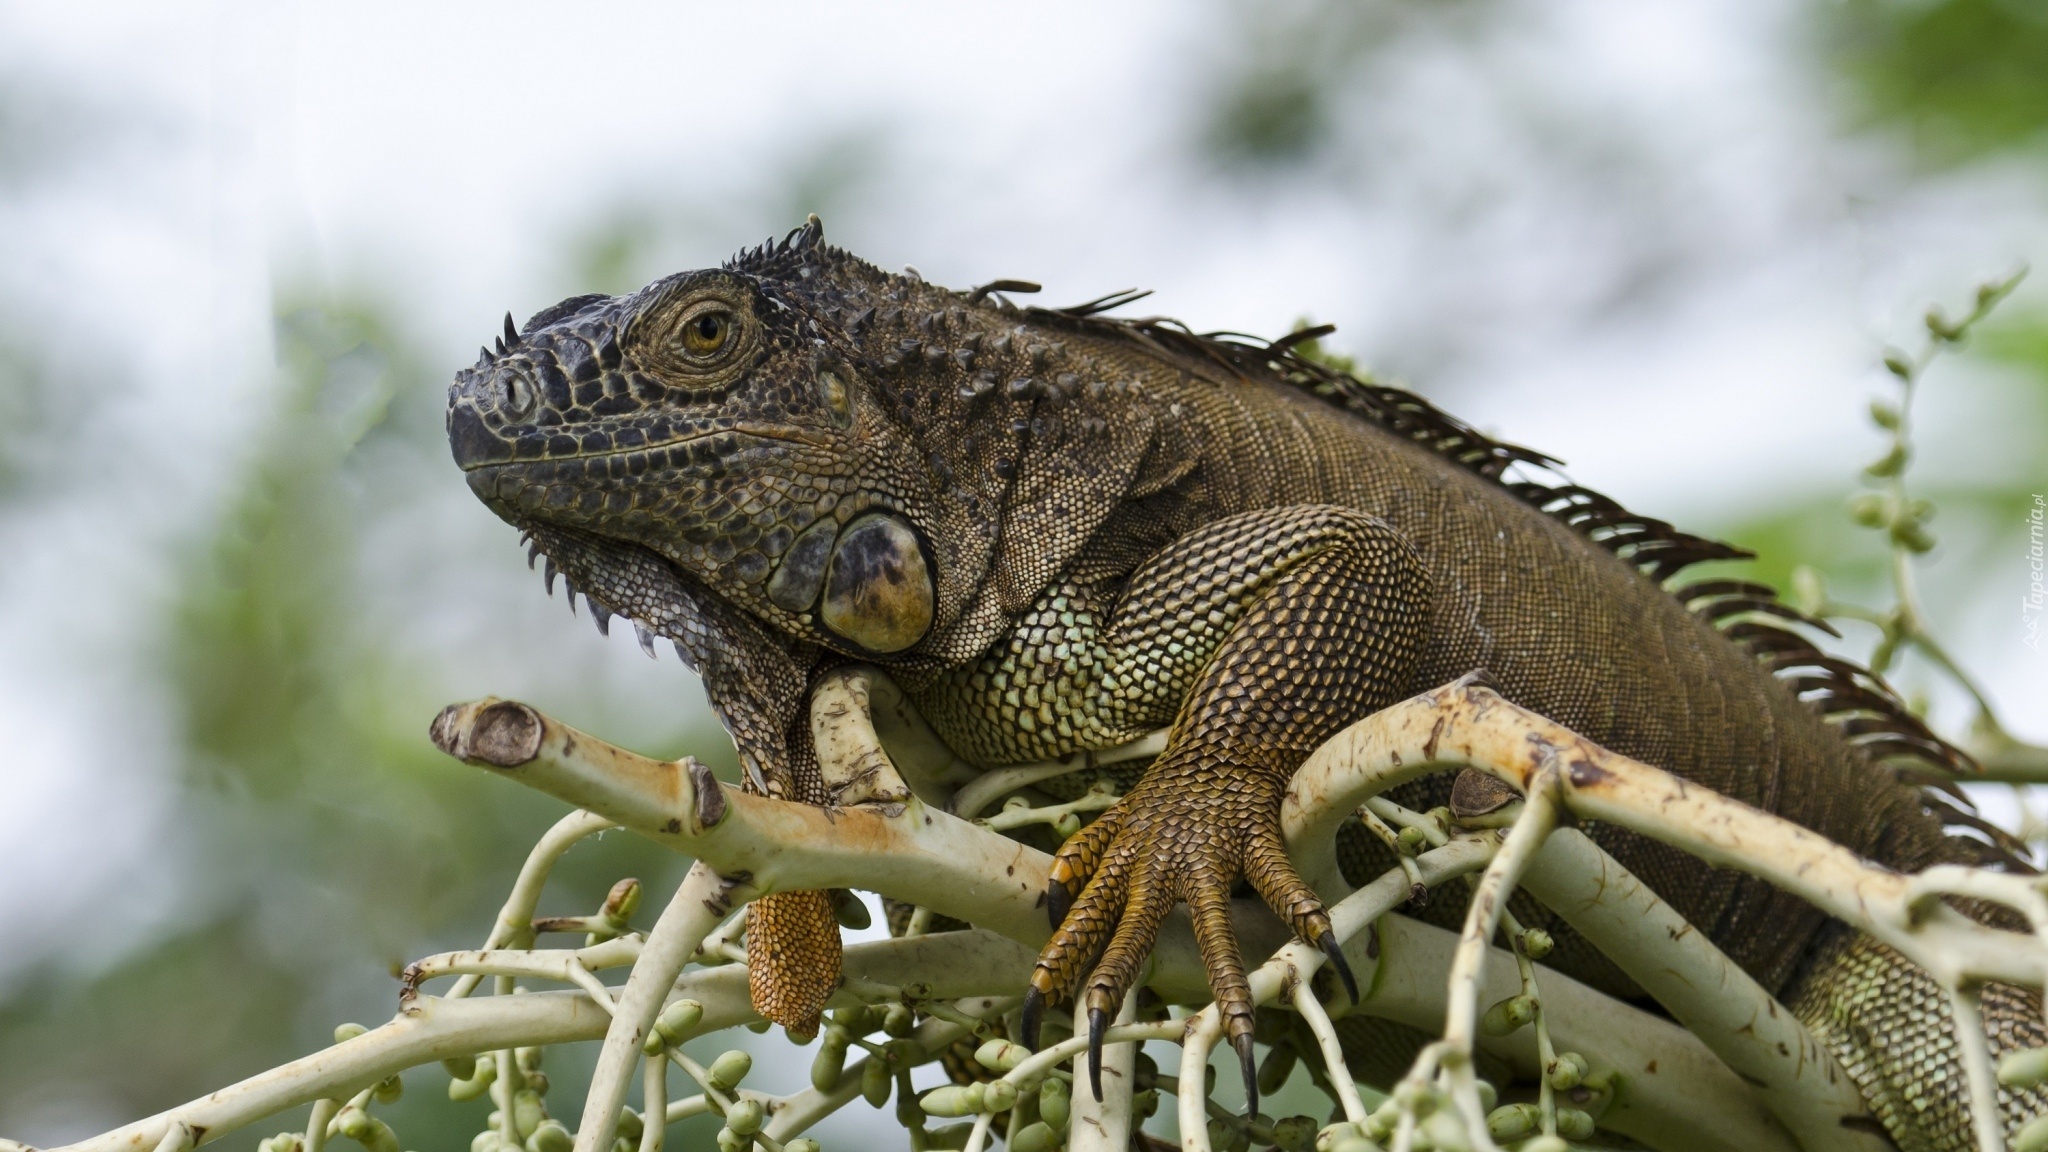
787, 433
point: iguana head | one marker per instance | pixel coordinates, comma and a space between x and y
825, 446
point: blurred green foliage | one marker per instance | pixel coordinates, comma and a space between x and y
1963, 77
332, 841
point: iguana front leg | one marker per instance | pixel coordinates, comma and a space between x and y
1275, 629
756, 682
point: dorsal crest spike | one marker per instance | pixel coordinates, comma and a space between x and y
511, 332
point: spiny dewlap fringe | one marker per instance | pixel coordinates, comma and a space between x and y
792, 959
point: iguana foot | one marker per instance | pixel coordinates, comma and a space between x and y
1172, 840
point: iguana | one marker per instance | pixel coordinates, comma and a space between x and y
1060, 530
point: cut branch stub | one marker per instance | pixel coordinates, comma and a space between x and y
499, 733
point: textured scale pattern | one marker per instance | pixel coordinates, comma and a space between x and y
1889, 1023
1119, 525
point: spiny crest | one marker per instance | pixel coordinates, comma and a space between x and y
1854, 701
800, 255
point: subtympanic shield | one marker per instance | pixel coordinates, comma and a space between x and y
878, 590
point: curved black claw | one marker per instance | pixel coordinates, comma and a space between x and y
1243, 1044
1335, 952
1098, 1022
1057, 901
1027, 1024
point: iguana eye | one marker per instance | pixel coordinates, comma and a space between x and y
707, 332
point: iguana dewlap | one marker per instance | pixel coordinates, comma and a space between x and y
1059, 531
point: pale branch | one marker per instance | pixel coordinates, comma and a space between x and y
1672, 1092
702, 900
514, 924
1705, 991
1103, 1125
944, 862
1482, 918
1463, 725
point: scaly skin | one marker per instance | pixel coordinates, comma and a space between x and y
1059, 531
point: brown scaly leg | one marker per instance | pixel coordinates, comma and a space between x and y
1328, 619
793, 958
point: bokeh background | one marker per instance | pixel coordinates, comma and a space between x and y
243, 247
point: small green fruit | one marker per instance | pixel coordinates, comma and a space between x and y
744, 1117
898, 1021
1446, 1132
1508, 1015
1001, 1055
830, 1062
1055, 1104
1573, 1124
1038, 1137
952, 1100
729, 1069
1513, 1121
527, 1112
998, 1096
1277, 1067
550, 1136
343, 1033
875, 1082
2026, 1068
1295, 1133
1567, 1071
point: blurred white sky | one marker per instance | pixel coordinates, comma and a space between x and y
1624, 234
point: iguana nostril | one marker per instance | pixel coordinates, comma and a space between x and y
515, 395
878, 589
